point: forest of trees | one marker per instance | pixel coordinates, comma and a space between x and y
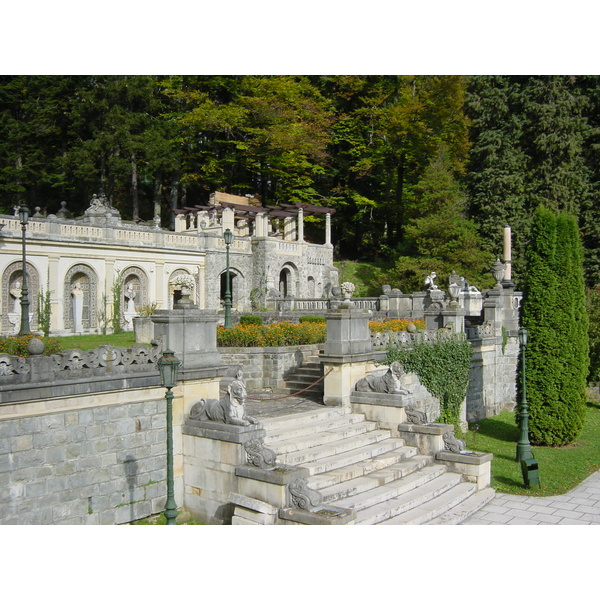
423, 171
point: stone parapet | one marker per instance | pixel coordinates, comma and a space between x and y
474, 466
427, 438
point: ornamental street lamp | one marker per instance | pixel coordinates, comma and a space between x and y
24, 330
228, 235
529, 465
168, 365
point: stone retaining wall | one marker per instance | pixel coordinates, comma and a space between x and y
87, 460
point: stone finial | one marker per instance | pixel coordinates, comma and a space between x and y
259, 455
302, 496
417, 417
452, 444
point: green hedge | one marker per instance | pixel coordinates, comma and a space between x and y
251, 320
554, 313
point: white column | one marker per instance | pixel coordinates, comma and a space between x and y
300, 225
507, 254
327, 229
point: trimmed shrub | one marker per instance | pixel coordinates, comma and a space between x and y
313, 319
554, 313
251, 320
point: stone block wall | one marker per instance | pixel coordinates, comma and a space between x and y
104, 463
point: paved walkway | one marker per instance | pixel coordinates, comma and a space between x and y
580, 506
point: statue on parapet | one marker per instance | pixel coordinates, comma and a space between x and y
386, 383
231, 409
430, 282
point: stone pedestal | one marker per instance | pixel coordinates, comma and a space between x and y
347, 356
474, 466
427, 438
387, 410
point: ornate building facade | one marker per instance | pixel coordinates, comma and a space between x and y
127, 266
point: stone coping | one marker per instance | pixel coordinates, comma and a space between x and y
379, 399
280, 474
223, 431
32, 392
352, 358
468, 458
429, 429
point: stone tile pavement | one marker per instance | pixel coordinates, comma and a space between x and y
580, 506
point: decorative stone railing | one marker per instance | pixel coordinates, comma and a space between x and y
75, 363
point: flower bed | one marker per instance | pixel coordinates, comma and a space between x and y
394, 325
283, 333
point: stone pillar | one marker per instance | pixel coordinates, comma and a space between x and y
228, 219
327, 229
289, 229
192, 335
507, 256
180, 223
348, 354
300, 225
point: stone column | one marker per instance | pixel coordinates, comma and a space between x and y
327, 229
300, 225
507, 255
228, 219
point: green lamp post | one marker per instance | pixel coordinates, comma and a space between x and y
168, 365
228, 235
24, 330
529, 465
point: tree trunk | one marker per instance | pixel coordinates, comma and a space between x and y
157, 196
174, 198
135, 200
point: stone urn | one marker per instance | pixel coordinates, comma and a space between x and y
453, 291
498, 273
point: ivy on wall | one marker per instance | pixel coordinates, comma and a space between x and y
443, 367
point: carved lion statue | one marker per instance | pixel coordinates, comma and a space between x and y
388, 383
231, 409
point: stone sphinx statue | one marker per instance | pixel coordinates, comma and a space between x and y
386, 383
231, 409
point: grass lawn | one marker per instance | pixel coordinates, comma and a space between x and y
89, 342
560, 469
363, 275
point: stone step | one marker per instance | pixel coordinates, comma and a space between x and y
385, 467
301, 379
404, 495
299, 420
325, 451
350, 457
439, 505
463, 510
406, 465
276, 436
314, 438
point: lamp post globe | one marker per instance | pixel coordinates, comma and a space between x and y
24, 328
168, 366
228, 236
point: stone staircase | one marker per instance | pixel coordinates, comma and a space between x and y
361, 468
302, 377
